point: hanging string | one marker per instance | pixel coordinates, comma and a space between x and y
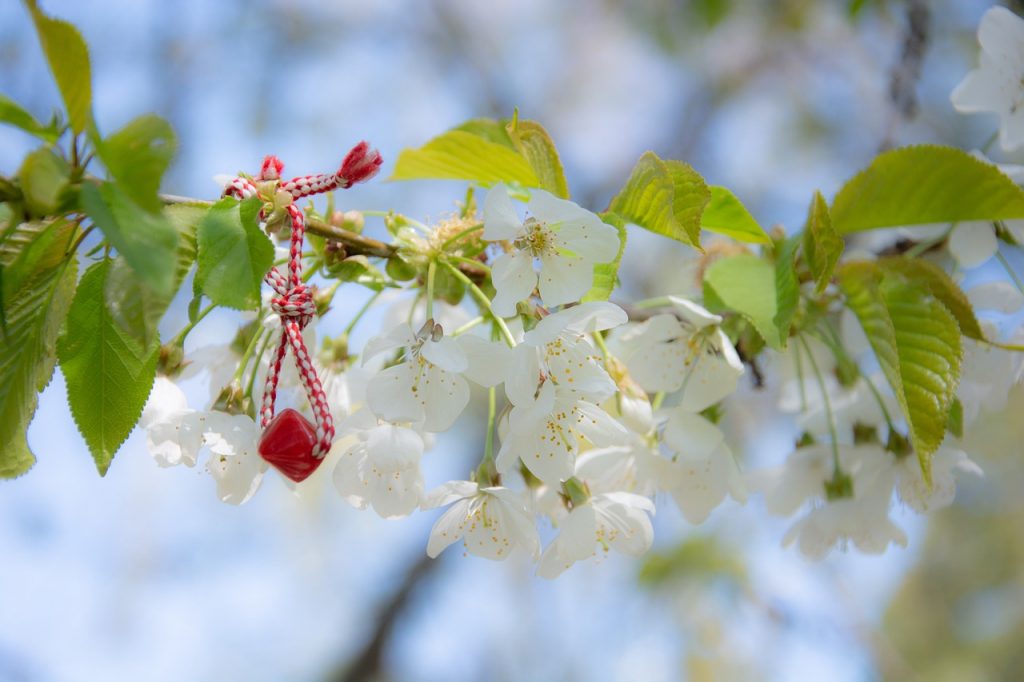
293, 302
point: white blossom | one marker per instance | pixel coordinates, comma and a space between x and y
921, 497
973, 243
999, 296
381, 468
702, 470
491, 521
683, 351
546, 434
995, 86
863, 521
559, 351
234, 461
987, 375
605, 521
803, 475
426, 387
170, 437
565, 239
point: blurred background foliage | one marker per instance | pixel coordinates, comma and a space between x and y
774, 99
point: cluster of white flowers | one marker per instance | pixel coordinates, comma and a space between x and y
597, 414
574, 447
842, 472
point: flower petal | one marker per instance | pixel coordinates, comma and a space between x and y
446, 353
488, 361
500, 219
584, 318
523, 375
564, 279
1000, 296
691, 434
447, 493
391, 396
972, 243
514, 279
444, 395
449, 528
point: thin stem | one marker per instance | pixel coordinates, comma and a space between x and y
310, 270
1009, 270
362, 311
180, 338
837, 349
989, 142
469, 325
659, 398
256, 365
656, 302
81, 238
800, 378
921, 247
484, 302
250, 347
491, 410
599, 342
470, 262
431, 276
459, 235
881, 403
828, 406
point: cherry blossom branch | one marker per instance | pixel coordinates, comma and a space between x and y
355, 244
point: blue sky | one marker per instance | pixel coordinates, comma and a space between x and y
144, 574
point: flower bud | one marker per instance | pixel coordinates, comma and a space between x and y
353, 221
232, 399
171, 360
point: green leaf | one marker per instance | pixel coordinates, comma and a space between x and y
533, 142
461, 155
922, 185
234, 254
665, 197
135, 306
489, 129
746, 284
918, 345
787, 288
34, 308
956, 419
146, 240
606, 274
109, 374
137, 157
930, 276
12, 114
43, 176
726, 215
68, 57
32, 248
822, 244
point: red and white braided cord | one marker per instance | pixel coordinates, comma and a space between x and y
294, 300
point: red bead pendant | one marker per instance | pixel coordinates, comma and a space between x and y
288, 443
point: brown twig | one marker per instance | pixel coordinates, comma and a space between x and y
355, 244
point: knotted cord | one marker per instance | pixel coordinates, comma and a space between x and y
294, 300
